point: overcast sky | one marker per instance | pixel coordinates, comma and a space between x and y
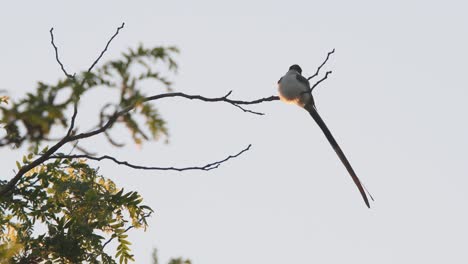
396, 103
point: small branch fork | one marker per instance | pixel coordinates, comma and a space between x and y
318, 71
107, 46
321, 80
321, 65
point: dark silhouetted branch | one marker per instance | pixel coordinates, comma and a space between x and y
215, 99
75, 105
57, 55
321, 65
321, 80
247, 110
206, 167
107, 46
113, 118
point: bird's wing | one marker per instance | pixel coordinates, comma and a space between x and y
313, 112
303, 80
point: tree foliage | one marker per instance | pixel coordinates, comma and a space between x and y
64, 211
31, 119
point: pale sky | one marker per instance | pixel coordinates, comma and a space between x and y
396, 103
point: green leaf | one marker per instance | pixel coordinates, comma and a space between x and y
44, 150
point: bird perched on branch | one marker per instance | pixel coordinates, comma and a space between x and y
295, 88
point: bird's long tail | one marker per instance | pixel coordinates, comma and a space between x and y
313, 112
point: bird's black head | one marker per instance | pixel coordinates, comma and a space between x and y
296, 67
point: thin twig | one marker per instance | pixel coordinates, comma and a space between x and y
57, 56
217, 163
241, 108
247, 110
107, 45
321, 65
206, 167
321, 80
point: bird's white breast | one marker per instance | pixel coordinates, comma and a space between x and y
292, 91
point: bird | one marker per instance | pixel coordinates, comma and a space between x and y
295, 89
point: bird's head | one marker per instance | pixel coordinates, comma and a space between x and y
296, 67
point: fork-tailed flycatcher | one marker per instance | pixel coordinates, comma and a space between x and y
295, 88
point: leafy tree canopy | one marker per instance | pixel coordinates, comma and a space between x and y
64, 211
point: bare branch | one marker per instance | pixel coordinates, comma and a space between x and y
105, 48
228, 94
321, 80
321, 65
217, 163
75, 106
241, 108
247, 110
215, 99
224, 99
206, 167
57, 56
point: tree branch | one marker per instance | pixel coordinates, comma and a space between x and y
57, 56
116, 115
321, 80
68, 137
75, 105
321, 65
72, 77
206, 167
107, 46
11, 184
